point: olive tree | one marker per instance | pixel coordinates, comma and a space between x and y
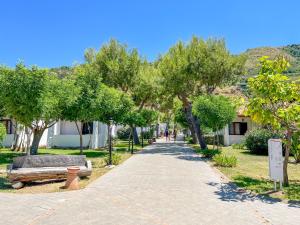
275, 101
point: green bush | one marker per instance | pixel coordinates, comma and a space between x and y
209, 139
115, 159
123, 133
257, 141
189, 140
238, 146
225, 161
209, 153
2, 133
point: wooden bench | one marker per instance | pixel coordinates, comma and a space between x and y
41, 167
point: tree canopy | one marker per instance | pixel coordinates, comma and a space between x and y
35, 97
275, 101
112, 104
197, 68
118, 65
215, 112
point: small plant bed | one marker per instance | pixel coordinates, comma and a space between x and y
223, 160
98, 158
252, 173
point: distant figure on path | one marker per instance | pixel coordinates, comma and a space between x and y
174, 134
167, 135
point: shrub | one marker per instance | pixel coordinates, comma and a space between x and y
209, 139
257, 141
209, 153
225, 161
2, 133
189, 140
115, 159
238, 146
123, 133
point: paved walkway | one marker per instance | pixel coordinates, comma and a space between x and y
166, 184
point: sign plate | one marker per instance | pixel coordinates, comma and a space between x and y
275, 159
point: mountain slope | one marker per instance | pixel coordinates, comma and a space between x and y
291, 52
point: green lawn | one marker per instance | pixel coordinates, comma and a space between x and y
252, 173
96, 156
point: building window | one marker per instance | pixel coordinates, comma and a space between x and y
8, 125
238, 128
87, 128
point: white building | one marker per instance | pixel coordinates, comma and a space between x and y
234, 133
64, 134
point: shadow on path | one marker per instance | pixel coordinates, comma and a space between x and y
229, 192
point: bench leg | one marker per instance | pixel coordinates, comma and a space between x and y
17, 185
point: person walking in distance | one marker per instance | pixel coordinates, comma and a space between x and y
174, 134
167, 135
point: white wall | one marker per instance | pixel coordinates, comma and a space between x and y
67, 127
69, 141
44, 139
8, 140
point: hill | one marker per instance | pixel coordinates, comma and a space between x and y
291, 52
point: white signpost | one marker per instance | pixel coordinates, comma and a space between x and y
275, 161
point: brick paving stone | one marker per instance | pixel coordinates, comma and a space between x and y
166, 184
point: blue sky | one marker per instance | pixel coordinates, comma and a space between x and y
52, 33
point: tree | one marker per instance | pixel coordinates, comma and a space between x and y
117, 65
112, 106
195, 68
82, 111
148, 118
119, 68
146, 91
215, 112
132, 119
275, 101
35, 97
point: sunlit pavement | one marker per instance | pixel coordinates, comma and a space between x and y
165, 184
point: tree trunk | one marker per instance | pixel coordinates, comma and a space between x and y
286, 158
193, 134
194, 124
16, 138
142, 135
136, 136
132, 140
198, 132
79, 129
157, 131
109, 144
37, 135
129, 140
28, 140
